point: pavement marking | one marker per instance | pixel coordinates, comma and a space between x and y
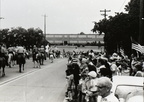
27, 73
17, 77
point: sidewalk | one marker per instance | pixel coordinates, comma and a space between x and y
13, 73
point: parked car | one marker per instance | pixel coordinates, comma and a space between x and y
125, 87
136, 98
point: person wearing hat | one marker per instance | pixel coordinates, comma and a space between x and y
104, 86
90, 88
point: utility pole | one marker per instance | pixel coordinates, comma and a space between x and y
105, 12
44, 27
141, 23
45, 24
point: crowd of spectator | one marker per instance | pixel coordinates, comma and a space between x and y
92, 74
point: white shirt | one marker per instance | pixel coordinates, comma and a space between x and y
93, 87
110, 98
21, 50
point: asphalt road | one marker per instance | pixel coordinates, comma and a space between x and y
47, 84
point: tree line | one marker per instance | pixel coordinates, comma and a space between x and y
22, 37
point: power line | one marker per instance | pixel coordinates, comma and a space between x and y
122, 5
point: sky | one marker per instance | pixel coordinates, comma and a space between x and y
62, 16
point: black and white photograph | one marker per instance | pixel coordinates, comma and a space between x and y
71, 50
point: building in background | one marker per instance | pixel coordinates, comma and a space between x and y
75, 39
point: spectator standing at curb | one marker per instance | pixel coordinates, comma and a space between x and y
76, 74
89, 88
104, 86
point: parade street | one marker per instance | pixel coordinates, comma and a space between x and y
47, 84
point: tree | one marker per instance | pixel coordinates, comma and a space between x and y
96, 25
35, 36
22, 37
3, 36
119, 29
133, 9
82, 33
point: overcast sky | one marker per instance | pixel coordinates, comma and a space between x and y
63, 16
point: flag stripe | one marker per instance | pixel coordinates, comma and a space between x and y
138, 47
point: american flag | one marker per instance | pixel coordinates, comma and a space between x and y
138, 47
